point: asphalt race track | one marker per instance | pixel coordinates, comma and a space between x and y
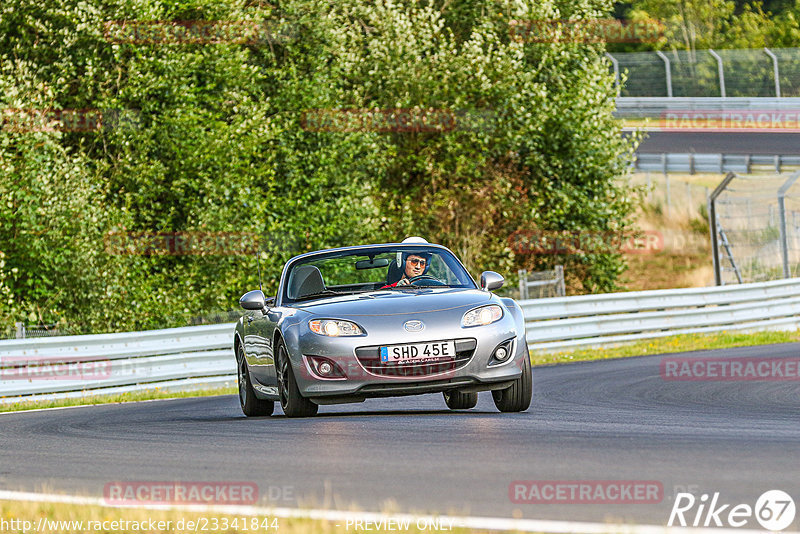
722, 143
607, 420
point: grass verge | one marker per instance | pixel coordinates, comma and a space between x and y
680, 343
60, 518
114, 399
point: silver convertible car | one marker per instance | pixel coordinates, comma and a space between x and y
380, 321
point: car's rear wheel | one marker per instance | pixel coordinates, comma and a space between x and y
251, 405
456, 400
293, 404
517, 398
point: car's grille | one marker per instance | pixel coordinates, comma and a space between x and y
371, 360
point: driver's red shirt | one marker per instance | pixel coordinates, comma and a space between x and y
391, 285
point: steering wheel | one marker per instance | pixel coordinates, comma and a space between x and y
427, 279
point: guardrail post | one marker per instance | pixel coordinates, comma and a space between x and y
712, 225
782, 215
561, 290
775, 71
665, 59
20, 330
523, 284
615, 64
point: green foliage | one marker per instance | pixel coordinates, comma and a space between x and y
718, 24
218, 143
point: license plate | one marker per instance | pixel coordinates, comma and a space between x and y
419, 352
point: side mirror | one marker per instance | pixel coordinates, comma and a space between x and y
253, 300
491, 280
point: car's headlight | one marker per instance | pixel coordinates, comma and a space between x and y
334, 328
483, 315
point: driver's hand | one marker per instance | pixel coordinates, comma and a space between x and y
403, 282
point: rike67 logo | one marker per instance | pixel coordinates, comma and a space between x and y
774, 510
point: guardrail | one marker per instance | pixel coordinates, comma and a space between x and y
657, 107
74, 366
587, 320
691, 163
200, 357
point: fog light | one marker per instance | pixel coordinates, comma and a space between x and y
501, 354
325, 368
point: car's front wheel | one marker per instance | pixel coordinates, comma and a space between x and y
517, 398
293, 404
457, 400
251, 405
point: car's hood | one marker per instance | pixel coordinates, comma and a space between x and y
398, 301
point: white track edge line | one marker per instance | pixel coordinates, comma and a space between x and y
470, 522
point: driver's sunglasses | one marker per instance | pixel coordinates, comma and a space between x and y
416, 261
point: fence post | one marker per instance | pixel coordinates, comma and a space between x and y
20, 330
782, 214
523, 284
775, 72
615, 63
665, 59
712, 225
561, 290
721, 73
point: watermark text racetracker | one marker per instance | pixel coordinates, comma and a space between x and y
584, 242
397, 120
28, 120
744, 120
159, 492
586, 491
729, 369
193, 492
586, 31
32, 368
182, 243
195, 32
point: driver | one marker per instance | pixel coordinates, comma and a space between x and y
415, 265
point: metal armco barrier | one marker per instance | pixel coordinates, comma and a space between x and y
586, 320
689, 163
202, 356
657, 107
186, 358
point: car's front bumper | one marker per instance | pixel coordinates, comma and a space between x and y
479, 372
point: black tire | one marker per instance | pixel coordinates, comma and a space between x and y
456, 400
517, 398
293, 404
251, 405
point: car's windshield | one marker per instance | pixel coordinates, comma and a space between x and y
371, 269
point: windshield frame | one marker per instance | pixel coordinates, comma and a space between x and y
284, 300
